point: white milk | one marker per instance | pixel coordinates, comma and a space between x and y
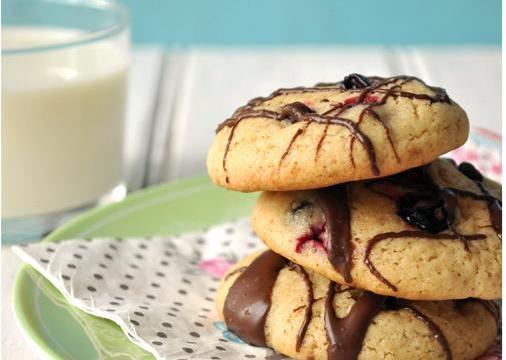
62, 122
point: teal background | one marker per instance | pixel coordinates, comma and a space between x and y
287, 22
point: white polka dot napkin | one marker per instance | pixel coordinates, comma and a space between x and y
159, 290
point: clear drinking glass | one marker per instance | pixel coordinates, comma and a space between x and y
64, 78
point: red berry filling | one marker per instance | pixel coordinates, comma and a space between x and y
369, 99
315, 237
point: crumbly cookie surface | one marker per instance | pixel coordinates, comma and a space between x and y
360, 128
415, 330
457, 256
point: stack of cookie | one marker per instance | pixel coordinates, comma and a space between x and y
378, 248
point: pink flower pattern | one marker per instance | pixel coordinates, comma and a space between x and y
483, 149
215, 267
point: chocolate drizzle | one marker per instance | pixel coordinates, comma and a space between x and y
248, 303
408, 234
370, 92
434, 329
292, 141
308, 314
334, 204
236, 271
494, 206
346, 335
399, 304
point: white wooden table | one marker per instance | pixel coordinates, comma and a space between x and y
177, 98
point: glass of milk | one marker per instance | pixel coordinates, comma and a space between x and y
64, 74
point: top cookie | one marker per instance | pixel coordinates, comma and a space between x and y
359, 128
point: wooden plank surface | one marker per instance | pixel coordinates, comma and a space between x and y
144, 84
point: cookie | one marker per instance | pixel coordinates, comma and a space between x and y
360, 128
268, 301
429, 233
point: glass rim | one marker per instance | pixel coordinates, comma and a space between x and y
85, 37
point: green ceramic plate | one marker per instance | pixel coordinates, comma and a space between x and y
64, 332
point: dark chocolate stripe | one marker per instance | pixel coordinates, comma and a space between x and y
410, 95
247, 113
299, 132
369, 110
434, 329
227, 150
233, 125
346, 335
334, 204
249, 298
308, 314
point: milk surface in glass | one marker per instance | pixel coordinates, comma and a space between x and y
62, 121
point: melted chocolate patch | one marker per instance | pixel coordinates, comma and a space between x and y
249, 299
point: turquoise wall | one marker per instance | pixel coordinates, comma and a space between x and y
275, 22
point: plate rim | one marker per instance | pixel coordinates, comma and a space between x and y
22, 319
